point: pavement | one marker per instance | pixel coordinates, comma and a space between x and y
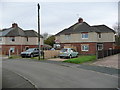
57, 59
13, 80
110, 61
51, 74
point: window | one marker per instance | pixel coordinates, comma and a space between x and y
73, 50
12, 50
67, 37
100, 46
12, 39
85, 47
27, 39
0, 38
99, 35
84, 35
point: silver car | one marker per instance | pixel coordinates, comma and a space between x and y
68, 53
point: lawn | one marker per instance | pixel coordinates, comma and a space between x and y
81, 59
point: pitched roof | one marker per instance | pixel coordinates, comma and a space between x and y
17, 31
31, 33
14, 32
103, 28
78, 28
84, 27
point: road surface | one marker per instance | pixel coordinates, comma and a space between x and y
48, 75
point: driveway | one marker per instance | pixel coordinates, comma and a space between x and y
48, 75
111, 61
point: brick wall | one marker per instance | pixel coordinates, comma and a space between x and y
17, 48
108, 45
92, 47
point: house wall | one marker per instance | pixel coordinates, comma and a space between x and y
108, 45
92, 47
21, 41
92, 37
107, 37
17, 48
19, 44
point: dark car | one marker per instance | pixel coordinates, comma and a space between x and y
31, 52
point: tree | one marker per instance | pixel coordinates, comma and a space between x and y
45, 35
50, 40
116, 28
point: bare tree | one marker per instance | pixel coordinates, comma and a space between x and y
116, 27
45, 35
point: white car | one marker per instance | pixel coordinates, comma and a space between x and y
68, 53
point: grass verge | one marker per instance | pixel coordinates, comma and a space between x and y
19, 57
81, 59
14, 57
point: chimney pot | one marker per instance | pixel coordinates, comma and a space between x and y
14, 25
80, 20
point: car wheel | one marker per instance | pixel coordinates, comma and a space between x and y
61, 57
31, 55
76, 55
23, 57
70, 56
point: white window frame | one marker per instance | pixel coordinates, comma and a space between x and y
83, 35
27, 39
99, 34
67, 37
101, 48
83, 47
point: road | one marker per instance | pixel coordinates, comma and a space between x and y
48, 75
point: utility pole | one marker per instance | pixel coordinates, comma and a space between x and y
39, 31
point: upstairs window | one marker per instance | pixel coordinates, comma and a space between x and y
67, 36
84, 35
12, 39
99, 35
27, 39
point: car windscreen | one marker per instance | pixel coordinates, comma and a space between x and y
64, 50
29, 50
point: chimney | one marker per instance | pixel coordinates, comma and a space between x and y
80, 20
14, 25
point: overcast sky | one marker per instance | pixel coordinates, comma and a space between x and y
58, 15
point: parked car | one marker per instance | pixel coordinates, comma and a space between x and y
68, 53
31, 52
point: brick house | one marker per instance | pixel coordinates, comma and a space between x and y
86, 39
17, 39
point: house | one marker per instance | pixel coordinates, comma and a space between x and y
86, 39
18, 40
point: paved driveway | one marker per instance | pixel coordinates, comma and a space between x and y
111, 61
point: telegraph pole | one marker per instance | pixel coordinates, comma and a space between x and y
39, 31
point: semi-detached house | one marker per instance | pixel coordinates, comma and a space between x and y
85, 38
18, 40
